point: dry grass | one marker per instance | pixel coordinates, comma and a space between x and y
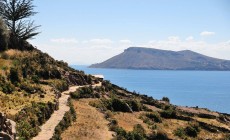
90, 123
170, 125
153, 108
13, 103
213, 122
197, 111
128, 120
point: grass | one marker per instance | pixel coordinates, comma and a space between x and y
90, 123
13, 103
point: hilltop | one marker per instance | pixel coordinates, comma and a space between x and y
155, 59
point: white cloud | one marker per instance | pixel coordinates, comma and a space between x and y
190, 38
101, 41
207, 33
97, 50
125, 41
174, 39
65, 40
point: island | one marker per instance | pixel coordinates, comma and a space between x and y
155, 59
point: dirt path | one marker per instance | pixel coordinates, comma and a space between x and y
47, 129
90, 124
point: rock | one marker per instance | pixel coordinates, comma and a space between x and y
7, 128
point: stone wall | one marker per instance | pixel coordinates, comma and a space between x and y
7, 128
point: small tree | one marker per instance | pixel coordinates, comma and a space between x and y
166, 99
16, 14
3, 36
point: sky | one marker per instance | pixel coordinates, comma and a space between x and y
84, 32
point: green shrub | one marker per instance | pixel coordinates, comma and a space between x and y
14, 75
166, 99
139, 130
84, 92
30, 118
192, 130
159, 135
154, 116
118, 105
135, 105
169, 113
179, 132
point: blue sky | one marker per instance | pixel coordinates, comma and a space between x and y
90, 31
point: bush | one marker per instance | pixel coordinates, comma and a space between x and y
84, 92
30, 118
139, 130
154, 116
166, 99
135, 105
179, 132
192, 130
169, 113
160, 135
118, 105
14, 75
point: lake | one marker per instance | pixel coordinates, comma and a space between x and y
206, 89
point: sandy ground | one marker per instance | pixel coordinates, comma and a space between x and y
90, 124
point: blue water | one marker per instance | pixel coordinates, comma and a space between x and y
206, 89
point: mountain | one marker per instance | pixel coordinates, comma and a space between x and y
155, 59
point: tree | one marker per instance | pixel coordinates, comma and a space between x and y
3, 36
16, 14
166, 99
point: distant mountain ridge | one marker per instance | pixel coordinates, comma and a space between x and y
155, 59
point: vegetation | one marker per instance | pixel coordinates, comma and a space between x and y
192, 131
16, 14
67, 120
30, 118
166, 99
4, 36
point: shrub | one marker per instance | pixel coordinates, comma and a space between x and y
192, 130
118, 105
135, 105
166, 99
30, 118
179, 132
84, 92
14, 75
160, 135
169, 113
139, 129
154, 116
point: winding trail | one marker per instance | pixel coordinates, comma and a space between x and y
48, 129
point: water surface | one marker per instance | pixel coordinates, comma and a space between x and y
207, 89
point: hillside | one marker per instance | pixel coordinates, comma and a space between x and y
154, 59
30, 94
31, 83
108, 111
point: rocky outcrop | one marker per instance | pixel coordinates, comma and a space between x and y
7, 128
